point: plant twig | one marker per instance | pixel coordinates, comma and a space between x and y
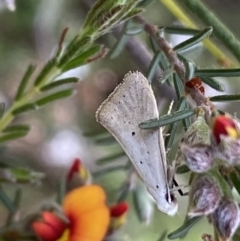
164, 46
142, 57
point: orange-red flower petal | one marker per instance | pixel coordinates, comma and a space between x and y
74, 168
88, 213
50, 228
118, 216
119, 209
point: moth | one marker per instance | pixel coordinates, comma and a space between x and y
131, 103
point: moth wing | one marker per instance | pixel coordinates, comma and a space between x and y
131, 103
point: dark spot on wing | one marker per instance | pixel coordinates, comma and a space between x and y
133, 133
141, 162
111, 117
157, 186
124, 96
148, 152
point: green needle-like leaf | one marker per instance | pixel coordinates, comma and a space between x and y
60, 82
2, 109
190, 69
212, 83
120, 44
189, 66
166, 119
61, 190
6, 201
17, 128
163, 236
225, 98
12, 135
124, 192
118, 47
153, 45
16, 203
226, 190
217, 72
56, 96
235, 180
24, 108
184, 228
134, 30
180, 30
153, 65
186, 121
178, 84
81, 59
25, 81
194, 40
45, 71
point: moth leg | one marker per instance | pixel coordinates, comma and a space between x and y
172, 181
179, 188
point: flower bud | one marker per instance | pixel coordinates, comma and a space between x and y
118, 214
195, 146
226, 138
198, 157
224, 126
49, 227
78, 173
198, 131
228, 150
226, 218
204, 196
